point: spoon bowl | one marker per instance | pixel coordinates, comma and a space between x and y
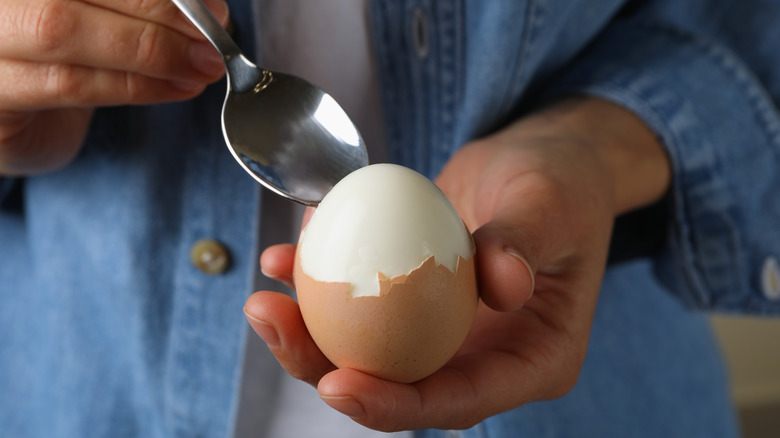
288, 134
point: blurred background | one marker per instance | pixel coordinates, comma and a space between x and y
752, 350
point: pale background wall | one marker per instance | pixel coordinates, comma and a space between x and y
752, 350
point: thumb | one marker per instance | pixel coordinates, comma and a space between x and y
505, 264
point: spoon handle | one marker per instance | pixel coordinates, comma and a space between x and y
242, 73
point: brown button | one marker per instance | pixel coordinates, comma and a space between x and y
210, 256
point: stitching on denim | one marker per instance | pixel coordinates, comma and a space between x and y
389, 72
449, 54
534, 20
734, 67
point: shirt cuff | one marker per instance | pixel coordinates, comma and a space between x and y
721, 131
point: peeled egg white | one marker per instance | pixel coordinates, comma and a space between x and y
385, 274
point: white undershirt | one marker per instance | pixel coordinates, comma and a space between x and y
327, 43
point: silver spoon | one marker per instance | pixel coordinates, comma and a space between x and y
288, 134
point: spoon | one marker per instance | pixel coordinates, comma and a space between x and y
289, 135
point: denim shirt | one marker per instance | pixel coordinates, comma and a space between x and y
108, 329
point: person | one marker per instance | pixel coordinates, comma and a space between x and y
616, 161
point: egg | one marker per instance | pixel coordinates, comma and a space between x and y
385, 274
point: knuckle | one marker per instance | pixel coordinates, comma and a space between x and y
570, 382
463, 398
467, 418
48, 23
566, 382
63, 83
140, 89
132, 88
149, 8
563, 388
68, 85
147, 45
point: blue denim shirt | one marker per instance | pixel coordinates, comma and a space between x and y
107, 329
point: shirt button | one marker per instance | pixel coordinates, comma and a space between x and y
420, 36
770, 279
210, 256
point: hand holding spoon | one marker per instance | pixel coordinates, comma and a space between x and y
289, 135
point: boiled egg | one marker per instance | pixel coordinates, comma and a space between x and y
385, 274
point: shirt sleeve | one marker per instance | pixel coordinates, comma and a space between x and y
703, 76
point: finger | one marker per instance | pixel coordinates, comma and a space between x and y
50, 86
277, 262
164, 12
28, 149
276, 318
504, 247
75, 33
458, 396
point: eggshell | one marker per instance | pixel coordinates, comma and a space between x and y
415, 325
385, 274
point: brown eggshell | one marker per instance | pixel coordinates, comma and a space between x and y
415, 325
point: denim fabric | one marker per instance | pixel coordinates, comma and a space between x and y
107, 330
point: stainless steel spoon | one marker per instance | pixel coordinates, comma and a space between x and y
288, 134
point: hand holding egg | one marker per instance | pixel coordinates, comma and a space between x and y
523, 191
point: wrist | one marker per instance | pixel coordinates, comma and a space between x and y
633, 157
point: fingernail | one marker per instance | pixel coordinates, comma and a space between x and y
266, 274
516, 254
287, 281
265, 330
346, 404
205, 59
